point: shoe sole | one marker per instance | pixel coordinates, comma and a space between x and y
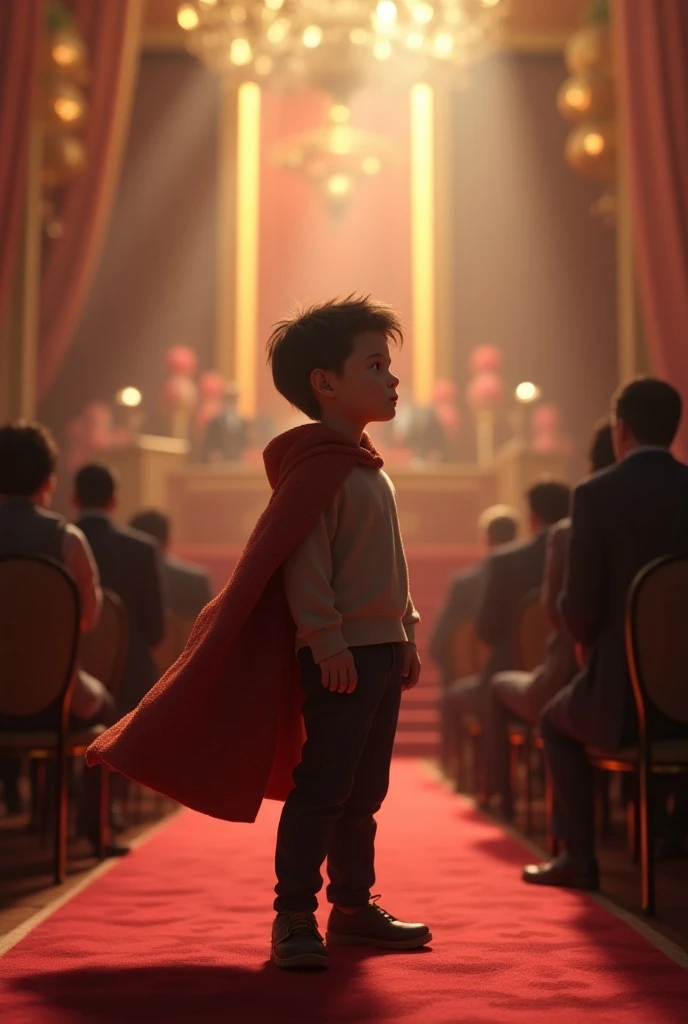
312, 960
585, 887
334, 939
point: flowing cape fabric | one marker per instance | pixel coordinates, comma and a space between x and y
222, 729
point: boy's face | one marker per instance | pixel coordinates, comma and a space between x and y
366, 392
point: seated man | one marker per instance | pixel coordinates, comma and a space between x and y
28, 458
129, 564
521, 696
622, 519
497, 526
511, 573
186, 587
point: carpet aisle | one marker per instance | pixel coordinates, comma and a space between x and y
178, 932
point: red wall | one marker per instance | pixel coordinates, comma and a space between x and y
307, 253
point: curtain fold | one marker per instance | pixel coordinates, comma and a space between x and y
112, 33
21, 23
652, 44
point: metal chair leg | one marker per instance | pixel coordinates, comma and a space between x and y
60, 817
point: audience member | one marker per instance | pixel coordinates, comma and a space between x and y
129, 564
622, 519
226, 435
520, 696
497, 526
186, 587
28, 458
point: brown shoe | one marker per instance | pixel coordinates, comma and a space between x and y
296, 941
373, 926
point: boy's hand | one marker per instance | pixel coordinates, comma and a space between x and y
410, 666
339, 672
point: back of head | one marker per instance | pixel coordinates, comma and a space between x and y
95, 486
155, 524
650, 410
549, 501
602, 455
499, 525
321, 337
28, 457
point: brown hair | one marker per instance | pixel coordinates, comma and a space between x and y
321, 337
28, 456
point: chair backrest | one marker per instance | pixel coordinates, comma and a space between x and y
172, 643
104, 650
39, 632
657, 637
531, 633
467, 653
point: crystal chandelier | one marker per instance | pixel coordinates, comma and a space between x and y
339, 45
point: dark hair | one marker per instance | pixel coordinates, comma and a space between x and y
94, 486
651, 409
28, 456
155, 524
549, 500
499, 524
321, 337
601, 454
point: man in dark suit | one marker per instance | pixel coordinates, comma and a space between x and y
520, 696
622, 519
186, 587
128, 563
498, 526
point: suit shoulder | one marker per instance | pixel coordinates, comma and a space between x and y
135, 539
179, 567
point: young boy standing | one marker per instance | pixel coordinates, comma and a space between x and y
348, 592
324, 571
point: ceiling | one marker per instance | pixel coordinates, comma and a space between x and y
531, 24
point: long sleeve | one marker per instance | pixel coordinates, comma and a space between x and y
555, 570
79, 560
151, 606
308, 586
583, 599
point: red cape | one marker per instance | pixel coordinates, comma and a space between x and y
222, 729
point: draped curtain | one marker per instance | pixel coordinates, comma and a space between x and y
652, 43
111, 31
20, 40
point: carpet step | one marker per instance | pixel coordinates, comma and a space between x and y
416, 744
417, 720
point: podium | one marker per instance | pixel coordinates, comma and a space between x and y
144, 467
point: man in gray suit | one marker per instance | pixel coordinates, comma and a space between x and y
521, 696
498, 525
186, 587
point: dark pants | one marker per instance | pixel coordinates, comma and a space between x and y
340, 783
509, 699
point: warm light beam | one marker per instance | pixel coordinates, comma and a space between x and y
246, 277
423, 242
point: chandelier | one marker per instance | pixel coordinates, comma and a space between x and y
339, 45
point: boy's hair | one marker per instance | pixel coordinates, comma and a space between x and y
155, 524
321, 337
549, 500
28, 457
602, 455
651, 409
95, 486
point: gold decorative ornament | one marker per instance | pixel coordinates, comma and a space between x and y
591, 150
65, 103
586, 96
64, 156
590, 49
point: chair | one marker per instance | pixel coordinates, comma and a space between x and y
103, 652
529, 645
40, 613
657, 650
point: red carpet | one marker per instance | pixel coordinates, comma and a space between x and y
179, 933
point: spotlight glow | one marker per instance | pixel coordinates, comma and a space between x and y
312, 36
187, 17
527, 392
240, 52
130, 397
594, 143
339, 185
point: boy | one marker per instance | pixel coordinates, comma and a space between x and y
323, 574
347, 589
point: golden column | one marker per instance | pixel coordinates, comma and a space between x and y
423, 242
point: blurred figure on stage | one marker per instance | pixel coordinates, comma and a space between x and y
226, 435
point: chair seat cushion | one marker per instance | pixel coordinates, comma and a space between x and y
661, 752
45, 739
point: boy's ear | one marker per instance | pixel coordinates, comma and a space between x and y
320, 381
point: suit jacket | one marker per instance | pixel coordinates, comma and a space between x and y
622, 519
559, 666
511, 572
186, 587
128, 563
461, 605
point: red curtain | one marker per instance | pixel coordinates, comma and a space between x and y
652, 43
21, 23
111, 31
